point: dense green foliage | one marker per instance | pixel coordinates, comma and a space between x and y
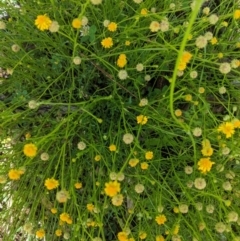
120, 120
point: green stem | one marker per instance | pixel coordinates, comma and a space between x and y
173, 81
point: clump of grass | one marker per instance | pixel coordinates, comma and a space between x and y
122, 124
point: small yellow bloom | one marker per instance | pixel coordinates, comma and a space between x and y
207, 151
112, 147
90, 207
51, 183
236, 123
161, 219
58, 232
40, 233
182, 66
224, 23
127, 42
160, 238
122, 236
144, 165
122, 60
142, 120
186, 57
112, 188
201, 90
133, 162
206, 143
14, 174
142, 235
206, 148
53, 210
227, 128
155, 26
228, 203
188, 97
236, 14
176, 210
43, 22
97, 158
205, 165
76, 23
131, 239
178, 112
149, 155
30, 150
176, 229
220, 55
78, 185
65, 217
214, 41
107, 42
112, 26
144, 11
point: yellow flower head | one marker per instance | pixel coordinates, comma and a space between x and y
160, 238
144, 11
127, 42
76, 23
97, 158
90, 207
58, 232
30, 150
214, 41
112, 147
133, 162
53, 210
207, 151
122, 60
40, 233
122, 236
107, 42
205, 165
14, 174
51, 183
206, 143
161, 219
142, 235
144, 165
236, 123
78, 185
149, 155
188, 97
155, 26
176, 229
236, 14
112, 188
142, 119
176, 210
182, 66
178, 113
43, 22
227, 128
186, 57
65, 217
112, 26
